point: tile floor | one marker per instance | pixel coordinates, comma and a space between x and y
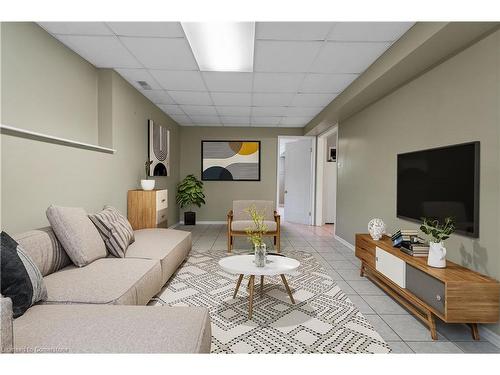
403, 332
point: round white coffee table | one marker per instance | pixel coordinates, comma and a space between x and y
244, 265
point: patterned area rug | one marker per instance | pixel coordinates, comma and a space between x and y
323, 320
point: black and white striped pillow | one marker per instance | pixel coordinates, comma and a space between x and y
114, 229
21, 279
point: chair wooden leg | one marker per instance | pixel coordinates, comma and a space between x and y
274, 239
278, 243
229, 242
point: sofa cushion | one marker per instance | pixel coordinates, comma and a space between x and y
106, 281
6, 334
242, 225
20, 279
114, 229
113, 329
77, 234
45, 249
263, 207
169, 246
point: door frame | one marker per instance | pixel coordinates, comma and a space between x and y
321, 147
313, 171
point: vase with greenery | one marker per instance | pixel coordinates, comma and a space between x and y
255, 235
147, 184
189, 194
438, 233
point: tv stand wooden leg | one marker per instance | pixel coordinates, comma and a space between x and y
432, 325
362, 270
474, 330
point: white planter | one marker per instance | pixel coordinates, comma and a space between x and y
148, 184
437, 255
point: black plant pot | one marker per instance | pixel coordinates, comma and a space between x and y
189, 218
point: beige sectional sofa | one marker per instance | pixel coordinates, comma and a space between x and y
78, 315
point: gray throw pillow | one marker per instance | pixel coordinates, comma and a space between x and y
78, 236
115, 230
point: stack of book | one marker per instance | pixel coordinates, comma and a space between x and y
409, 242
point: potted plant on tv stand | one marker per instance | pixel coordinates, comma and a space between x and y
147, 184
189, 193
438, 233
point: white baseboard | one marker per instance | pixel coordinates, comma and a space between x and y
204, 222
344, 242
489, 335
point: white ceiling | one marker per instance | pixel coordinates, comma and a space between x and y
299, 67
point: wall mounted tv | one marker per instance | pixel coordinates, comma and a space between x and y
441, 182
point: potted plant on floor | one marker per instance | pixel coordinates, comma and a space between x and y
147, 184
189, 193
438, 233
255, 235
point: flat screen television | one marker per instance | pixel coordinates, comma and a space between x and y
441, 182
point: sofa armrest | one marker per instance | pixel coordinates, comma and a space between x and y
7, 334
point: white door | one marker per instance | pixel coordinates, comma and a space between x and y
298, 181
329, 191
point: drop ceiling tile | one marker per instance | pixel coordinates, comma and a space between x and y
284, 56
292, 121
312, 100
162, 53
191, 97
340, 57
199, 110
266, 120
271, 100
369, 31
134, 75
209, 125
179, 80
231, 120
172, 109
100, 51
234, 110
277, 82
317, 83
228, 81
269, 111
265, 125
292, 30
206, 119
76, 28
237, 125
182, 119
157, 96
233, 98
291, 125
303, 111
151, 29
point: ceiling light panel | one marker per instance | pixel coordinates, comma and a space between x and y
222, 46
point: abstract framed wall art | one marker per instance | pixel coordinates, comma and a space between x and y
230, 160
159, 149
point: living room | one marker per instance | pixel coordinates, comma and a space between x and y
142, 208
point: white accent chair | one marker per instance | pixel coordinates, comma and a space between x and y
238, 220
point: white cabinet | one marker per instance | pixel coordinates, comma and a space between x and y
391, 267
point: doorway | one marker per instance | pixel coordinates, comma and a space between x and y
295, 179
326, 178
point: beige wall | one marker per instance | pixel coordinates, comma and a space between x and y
220, 195
48, 88
457, 101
